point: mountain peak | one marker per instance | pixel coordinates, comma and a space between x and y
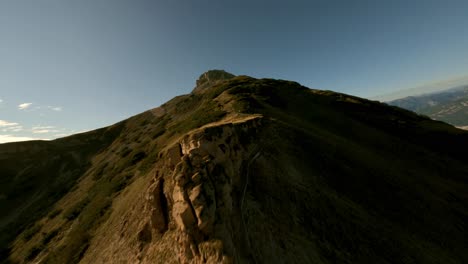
246, 170
209, 77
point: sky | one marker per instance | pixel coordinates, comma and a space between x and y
73, 66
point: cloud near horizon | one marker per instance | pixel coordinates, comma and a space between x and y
44, 130
62, 135
4, 123
11, 138
12, 129
24, 106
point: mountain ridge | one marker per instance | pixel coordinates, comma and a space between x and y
449, 106
252, 170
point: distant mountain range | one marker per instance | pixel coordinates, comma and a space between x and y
427, 88
450, 106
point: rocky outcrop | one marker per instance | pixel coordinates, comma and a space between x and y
209, 78
158, 207
204, 186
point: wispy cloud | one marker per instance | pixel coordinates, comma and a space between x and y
24, 106
12, 129
55, 108
42, 127
35, 107
17, 129
12, 138
1, 101
44, 130
4, 123
62, 135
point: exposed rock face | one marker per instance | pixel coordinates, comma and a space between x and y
203, 188
158, 206
211, 77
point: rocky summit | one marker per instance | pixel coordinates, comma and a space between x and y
209, 78
242, 170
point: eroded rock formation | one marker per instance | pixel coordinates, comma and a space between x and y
204, 185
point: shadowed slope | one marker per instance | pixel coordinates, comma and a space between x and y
261, 171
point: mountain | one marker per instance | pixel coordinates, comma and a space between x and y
242, 170
450, 106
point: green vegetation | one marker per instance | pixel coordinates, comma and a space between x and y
72, 252
33, 252
125, 151
49, 236
34, 178
36, 249
54, 213
75, 210
31, 231
354, 181
89, 213
137, 157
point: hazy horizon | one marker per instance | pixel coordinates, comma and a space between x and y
425, 88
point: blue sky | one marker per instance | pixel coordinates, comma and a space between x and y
70, 66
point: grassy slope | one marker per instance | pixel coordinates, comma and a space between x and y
108, 165
36, 174
385, 184
377, 183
